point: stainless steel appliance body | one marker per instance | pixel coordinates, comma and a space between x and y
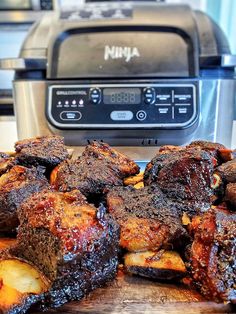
134, 75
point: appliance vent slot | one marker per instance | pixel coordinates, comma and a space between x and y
94, 140
150, 142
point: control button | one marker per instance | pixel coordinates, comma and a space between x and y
149, 95
95, 95
141, 115
183, 110
121, 115
70, 115
163, 110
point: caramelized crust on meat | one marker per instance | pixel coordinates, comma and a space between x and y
216, 150
96, 171
168, 149
228, 171
146, 219
6, 162
184, 175
123, 164
46, 151
230, 195
89, 175
70, 241
72, 224
15, 187
213, 255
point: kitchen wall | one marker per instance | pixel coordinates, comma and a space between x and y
224, 13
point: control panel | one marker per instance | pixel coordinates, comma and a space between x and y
122, 105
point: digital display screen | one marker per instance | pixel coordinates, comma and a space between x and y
15, 4
121, 96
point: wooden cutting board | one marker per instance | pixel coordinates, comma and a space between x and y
131, 294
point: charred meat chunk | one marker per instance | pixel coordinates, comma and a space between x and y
97, 170
6, 162
168, 149
230, 195
227, 171
15, 187
213, 255
74, 244
216, 150
47, 151
184, 175
146, 219
117, 161
89, 175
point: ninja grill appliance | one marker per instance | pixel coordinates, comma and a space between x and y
132, 75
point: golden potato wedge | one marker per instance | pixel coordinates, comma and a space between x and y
5, 243
133, 180
185, 219
19, 282
162, 265
139, 185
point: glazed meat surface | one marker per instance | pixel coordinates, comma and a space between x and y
74, 244
228, 171
6, 162
117, 161
216, 150
146, 219
230, 194
46, 151
96, 171
213, 255
15, 187
184, 176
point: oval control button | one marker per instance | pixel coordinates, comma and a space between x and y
70, 115
121, 115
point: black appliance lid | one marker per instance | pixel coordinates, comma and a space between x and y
152, 40
124, 40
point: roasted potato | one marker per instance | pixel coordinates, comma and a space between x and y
134, 180
162, 265
20, 285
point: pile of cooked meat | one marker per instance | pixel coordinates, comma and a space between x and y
75, 219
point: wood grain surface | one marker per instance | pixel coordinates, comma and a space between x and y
130, 294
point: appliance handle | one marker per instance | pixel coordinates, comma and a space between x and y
228, 61
21, 64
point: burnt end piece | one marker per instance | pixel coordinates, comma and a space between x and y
184, 175
230, 195
74, 244
15, 187
89, 175
6, 162
47, 151
227, 171
146, 218
216, 150
117, 161
96, 171
213, 255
